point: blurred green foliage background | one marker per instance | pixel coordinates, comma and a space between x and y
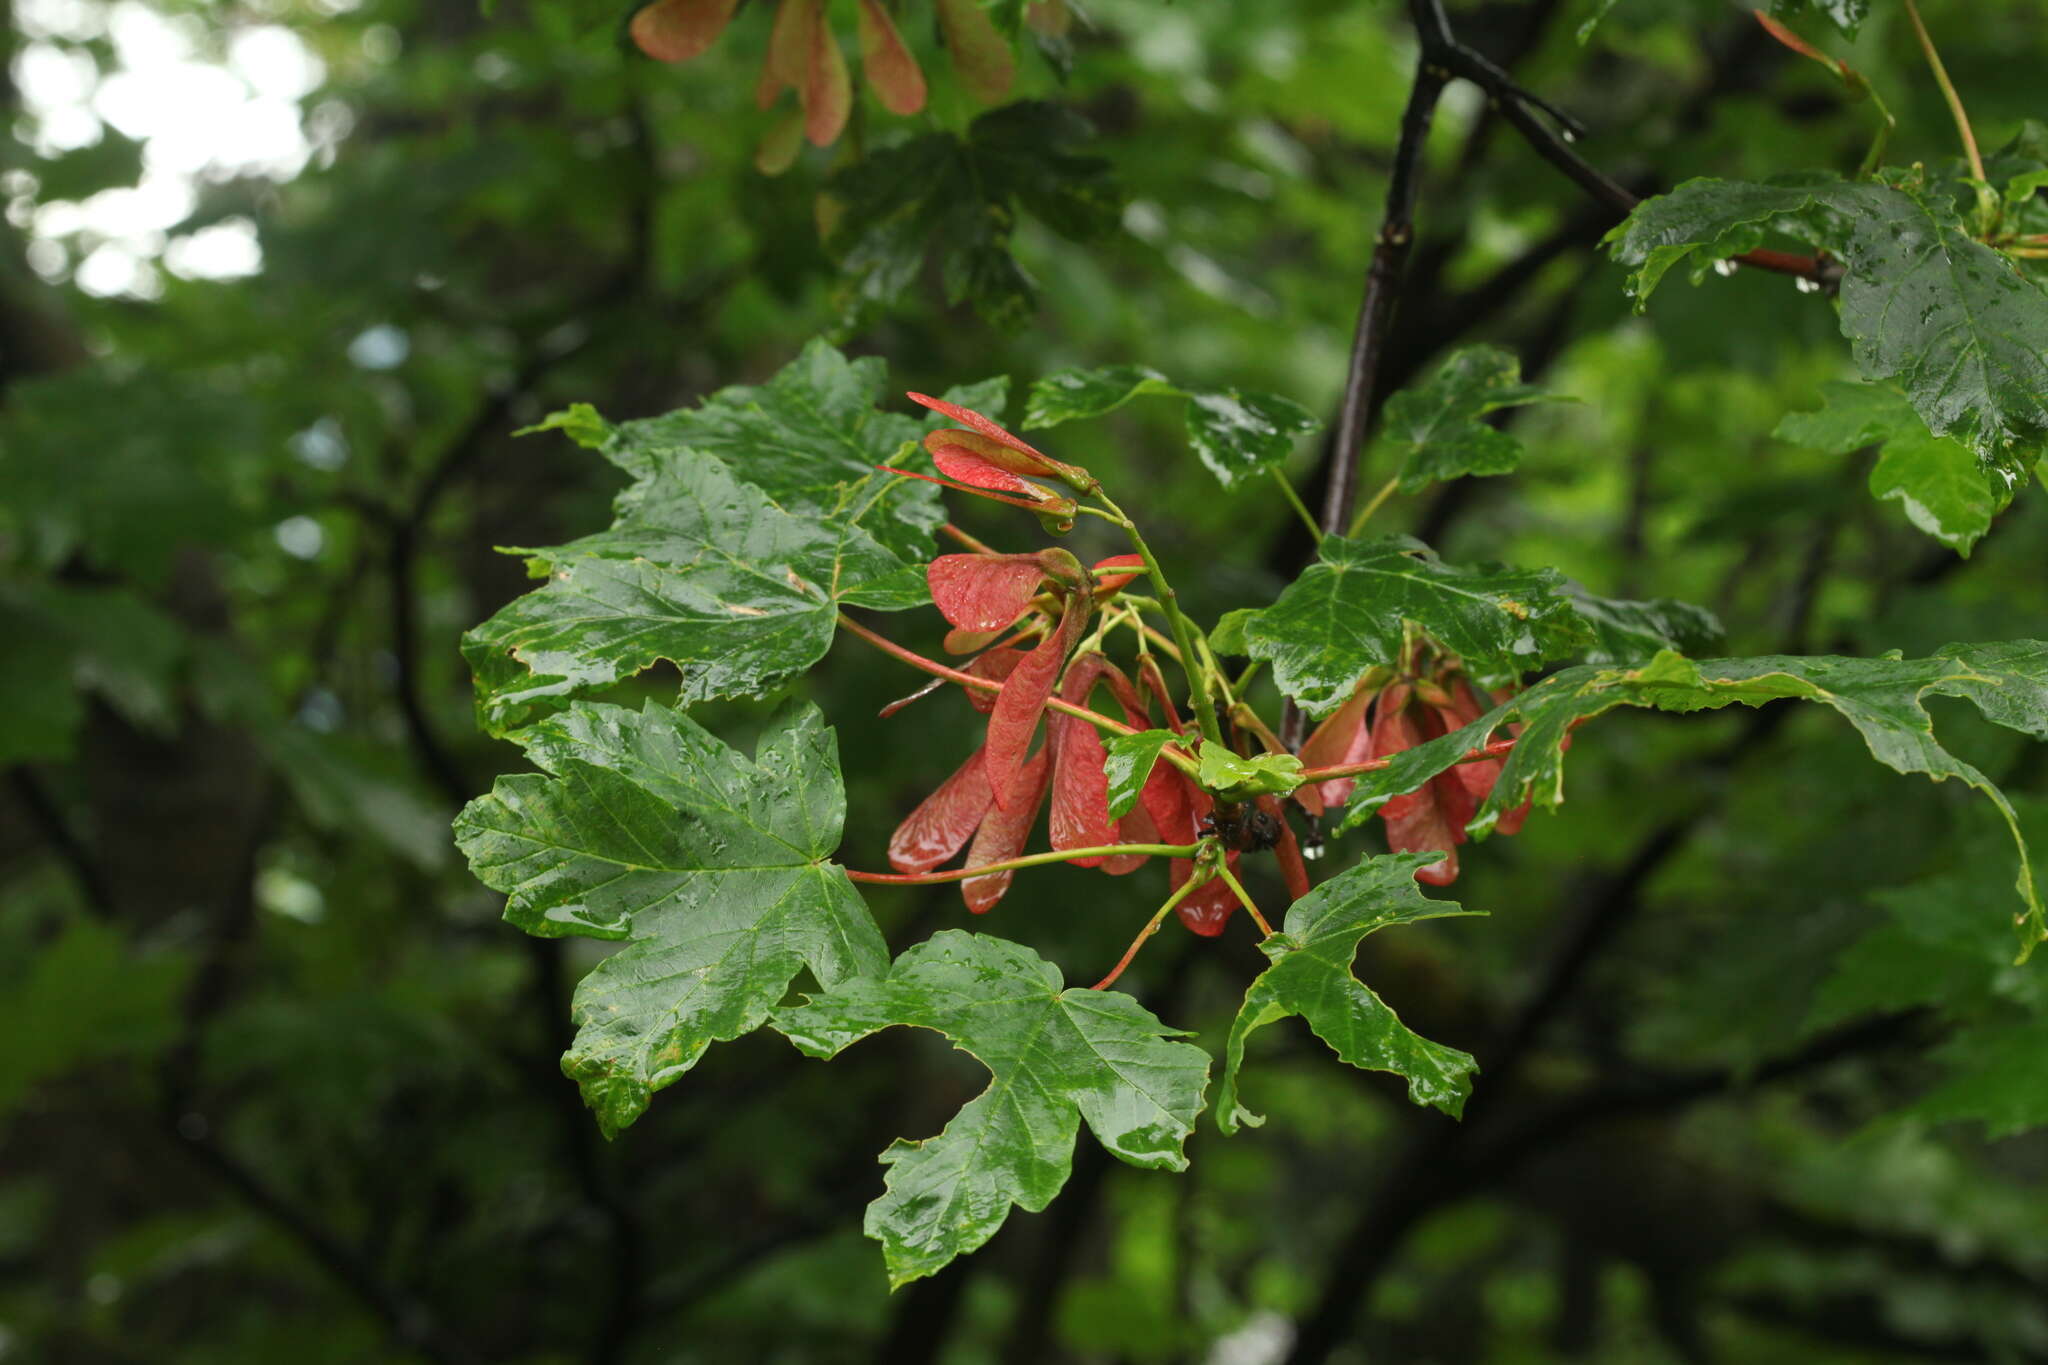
279, 279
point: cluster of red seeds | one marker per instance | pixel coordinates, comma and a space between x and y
804, 56
991, 803
1421, 702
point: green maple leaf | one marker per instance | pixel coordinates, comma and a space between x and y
1311, 976
699, 569
1238, 434
809, 438
1435, 427
1882, 698
1958, 326
1056, 1055
1347, 612
1943, 489
711, 866
957, 198
1626, 632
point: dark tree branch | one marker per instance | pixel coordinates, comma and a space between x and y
63, 840
1382, 284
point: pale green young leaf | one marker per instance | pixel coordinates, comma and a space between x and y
1235, 778
1127, 762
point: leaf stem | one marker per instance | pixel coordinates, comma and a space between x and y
1315, 532
1386, 490
1499, 748
1151, 927
1061, 855
966, 540
1169, 602
939, 670
1948, 90
1245, 898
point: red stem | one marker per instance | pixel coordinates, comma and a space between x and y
939, 670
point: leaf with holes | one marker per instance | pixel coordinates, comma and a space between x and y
711, 866
1056, 1055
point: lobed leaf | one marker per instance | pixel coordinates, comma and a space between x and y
711, 866
958, 198
1056, 1055
1238, 434
1943, 489
699, 570
1346, 613
1310, 976
1435, 427
1883, 698
1955, 323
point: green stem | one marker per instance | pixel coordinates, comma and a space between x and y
1169, 602
1387, 490
1948, 90
1062, 855
1244, 897
1151, 928
1315, 532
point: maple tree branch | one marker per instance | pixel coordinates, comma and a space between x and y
1395, 239
1520, 108
1058, 855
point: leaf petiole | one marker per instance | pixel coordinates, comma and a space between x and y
1315, 531
939, 670
1060, 855
1386, 490
1245, 898
1169, 602
1151, 927
1948, 91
